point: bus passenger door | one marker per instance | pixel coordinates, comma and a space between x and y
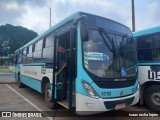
60, 74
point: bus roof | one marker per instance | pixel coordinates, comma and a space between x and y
59, 24
146, 31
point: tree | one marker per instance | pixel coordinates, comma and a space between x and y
13, 37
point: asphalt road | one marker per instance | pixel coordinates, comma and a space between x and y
13, 98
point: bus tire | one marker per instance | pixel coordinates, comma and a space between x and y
50, 104
152, 97
20, 85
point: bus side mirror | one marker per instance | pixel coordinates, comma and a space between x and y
84, 32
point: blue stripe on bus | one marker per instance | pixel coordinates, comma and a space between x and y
148, 63
35, 64
33, 83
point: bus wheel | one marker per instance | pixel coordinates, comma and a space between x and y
20, 85
152, 97
47, 95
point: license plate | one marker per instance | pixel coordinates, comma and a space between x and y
120, 106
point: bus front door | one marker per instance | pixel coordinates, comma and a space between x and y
61, 75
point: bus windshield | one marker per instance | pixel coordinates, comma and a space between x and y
109, 55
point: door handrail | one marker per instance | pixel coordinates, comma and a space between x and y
60, 69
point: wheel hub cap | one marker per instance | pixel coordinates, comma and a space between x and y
156, 98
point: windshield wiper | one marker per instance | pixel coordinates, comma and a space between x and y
111, 42
113, 49
105, 41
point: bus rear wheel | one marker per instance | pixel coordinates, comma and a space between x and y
152, 97
47, 94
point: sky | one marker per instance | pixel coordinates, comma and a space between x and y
34, 14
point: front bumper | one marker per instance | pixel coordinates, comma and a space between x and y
86, 105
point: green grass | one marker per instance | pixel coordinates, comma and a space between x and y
5, 69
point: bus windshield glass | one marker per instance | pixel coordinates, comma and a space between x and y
109, 55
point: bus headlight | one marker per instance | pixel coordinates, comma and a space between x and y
89, 90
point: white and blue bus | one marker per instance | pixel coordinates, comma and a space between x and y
84, 63
148, 52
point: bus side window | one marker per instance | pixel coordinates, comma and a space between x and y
29, 54
38, 51
144, 49
148, 47
48, 48
24, 55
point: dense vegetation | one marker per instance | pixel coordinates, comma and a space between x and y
13, 37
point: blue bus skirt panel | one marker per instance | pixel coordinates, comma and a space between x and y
33, 83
